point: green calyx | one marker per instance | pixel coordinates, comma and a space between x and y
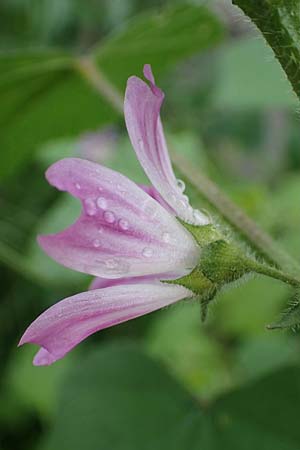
220, 263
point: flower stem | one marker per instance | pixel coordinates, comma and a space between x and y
275, 273
259, 240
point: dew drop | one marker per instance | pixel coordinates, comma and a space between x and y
174, 197
109, 217
181, 185
166, 237
198, 216
123, 224
100, 188
186, 199
150, 208
147, 252
111, 263
78, 186
96, 243
101, 203
90, 207
141, 144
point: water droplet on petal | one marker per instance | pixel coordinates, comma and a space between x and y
109, 217
141, 144
147, 252
78, 186
90, 207
96, 243
198, 216
100, 188
123, 224
111, 263
181, 185
150, 208
166, 237
101, 203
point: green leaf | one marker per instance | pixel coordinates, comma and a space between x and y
190, 351
161, 40
35, 389
43, 95
245, 310
279, 22
121, 399
243, 87
40, 102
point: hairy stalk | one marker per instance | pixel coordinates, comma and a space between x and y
258, 239
277, 274
279, 22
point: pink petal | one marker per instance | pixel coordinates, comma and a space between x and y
156, 195
66, 324
99, 283
122, 231
142, 116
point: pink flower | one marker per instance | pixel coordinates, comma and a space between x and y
127, 235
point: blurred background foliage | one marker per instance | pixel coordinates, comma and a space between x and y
163, 381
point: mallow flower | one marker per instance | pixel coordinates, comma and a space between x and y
146, 246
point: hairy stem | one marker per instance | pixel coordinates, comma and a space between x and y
275, 273
258, 239
279, 22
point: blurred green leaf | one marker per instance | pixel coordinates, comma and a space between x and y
35, 388
184, 344
247, 309
160, 39
121, 399
43, 96
42, 102
250, 77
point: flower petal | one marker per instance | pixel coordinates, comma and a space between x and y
64, 325
142, 115
122, 231
99, 283
156, 195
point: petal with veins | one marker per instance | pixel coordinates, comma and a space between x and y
67, 323
142, 115
122, 231
99, 283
